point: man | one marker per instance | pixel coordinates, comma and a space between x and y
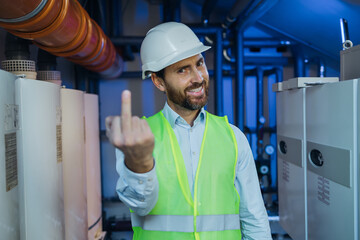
184, 173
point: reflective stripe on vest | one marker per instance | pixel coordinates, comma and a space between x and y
180, 223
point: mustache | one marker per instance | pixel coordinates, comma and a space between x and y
195, 85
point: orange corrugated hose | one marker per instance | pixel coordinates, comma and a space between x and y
63, 28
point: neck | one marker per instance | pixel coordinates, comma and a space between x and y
188, 115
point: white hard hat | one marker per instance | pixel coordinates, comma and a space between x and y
166, 44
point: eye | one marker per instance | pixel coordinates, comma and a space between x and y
181, 70
200, 63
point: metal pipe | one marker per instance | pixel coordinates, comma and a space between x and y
235, 11
219, 99
116, 19
206, 10
227, 56
345, 38
82, 42
171, 10
344, 30
19, 11
279, 74
103, 11
299, 66
259, 110
279, 78
321, 69
239, 81
260, 93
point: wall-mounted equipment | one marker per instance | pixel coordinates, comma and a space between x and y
40, 181
332, 155
39, 165
74, 166
291, 148
290, 107
93, 175
9, 197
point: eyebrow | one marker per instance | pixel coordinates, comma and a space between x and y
186, 66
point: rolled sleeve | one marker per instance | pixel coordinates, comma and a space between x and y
138, 191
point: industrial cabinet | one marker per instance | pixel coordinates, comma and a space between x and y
74, 165
290, 118
332, 143
9, 197
40, 163
93, 175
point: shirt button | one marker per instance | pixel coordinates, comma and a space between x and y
190, 129
140, 182
194, 153
150, 179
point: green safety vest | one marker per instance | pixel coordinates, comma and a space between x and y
213, 212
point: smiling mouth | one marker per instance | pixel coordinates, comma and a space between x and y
196, 89
196, 92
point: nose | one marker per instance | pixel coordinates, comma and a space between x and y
197, 76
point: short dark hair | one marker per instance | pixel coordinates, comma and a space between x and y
160, 73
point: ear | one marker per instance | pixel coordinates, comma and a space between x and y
158, 82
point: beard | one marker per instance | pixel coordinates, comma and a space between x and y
188, 102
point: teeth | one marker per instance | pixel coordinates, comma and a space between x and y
196, 89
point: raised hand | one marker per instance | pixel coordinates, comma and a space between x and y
132, 136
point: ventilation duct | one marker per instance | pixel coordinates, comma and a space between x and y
9, 199
62, 28
73, 145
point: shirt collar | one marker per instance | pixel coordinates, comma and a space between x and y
174, 118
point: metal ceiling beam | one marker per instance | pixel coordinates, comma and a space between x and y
239, 105
253, 12
268, 28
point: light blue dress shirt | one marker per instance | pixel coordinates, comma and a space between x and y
139, 191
